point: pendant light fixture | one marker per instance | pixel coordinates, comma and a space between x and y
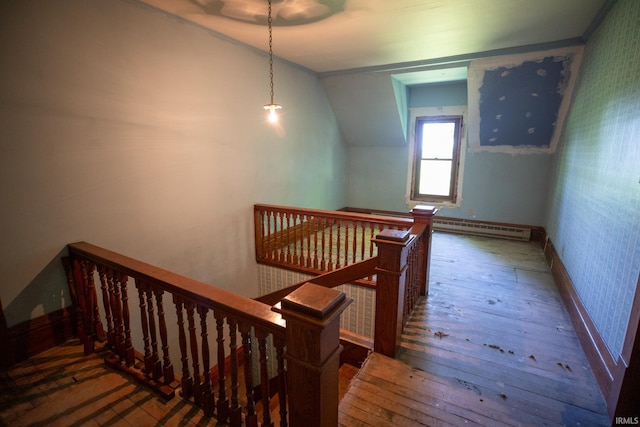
271, 106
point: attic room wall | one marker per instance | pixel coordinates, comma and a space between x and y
144, 134
594, 202
496, 186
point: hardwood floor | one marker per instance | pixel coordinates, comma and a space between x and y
491, 345
62, 387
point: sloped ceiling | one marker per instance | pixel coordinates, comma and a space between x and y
368, 51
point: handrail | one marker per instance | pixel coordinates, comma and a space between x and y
266, 338
332, 279
383, 219
240, 307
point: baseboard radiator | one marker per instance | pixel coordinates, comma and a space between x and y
482, 229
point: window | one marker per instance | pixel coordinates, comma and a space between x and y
436, 158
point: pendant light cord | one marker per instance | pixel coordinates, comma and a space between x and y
269, 21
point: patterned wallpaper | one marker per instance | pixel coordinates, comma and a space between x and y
358, 318
594, 205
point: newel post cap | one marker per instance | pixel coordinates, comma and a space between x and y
315, 303
423, 212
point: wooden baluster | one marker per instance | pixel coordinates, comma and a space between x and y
281, 241
155, 367
142, 291
106, 275
113, 303
251, 419
95, 315
354, 247
372, 233
193, 341
353, 244
296, 241
315, 243
118, 322
89, 324
347, 226
186, 381
330, 257
129, 354
235, 413
416, 273
289, 254
408, 290
223, 402
308, 221
207, 399
264, 377
338, 243
302, 239
167, 366
323, 262
267, 247
282, 380
269, 241
363, 238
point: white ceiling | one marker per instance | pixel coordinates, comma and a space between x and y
336, 35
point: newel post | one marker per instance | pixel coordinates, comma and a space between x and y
390, 288
313, 348
423, 214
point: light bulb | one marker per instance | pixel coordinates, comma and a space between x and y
273, 117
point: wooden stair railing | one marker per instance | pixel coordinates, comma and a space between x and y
395, 251
317, 241
305, 333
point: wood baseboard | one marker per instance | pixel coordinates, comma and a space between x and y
608, 371
34, 336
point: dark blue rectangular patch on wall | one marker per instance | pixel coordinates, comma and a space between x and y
519, 105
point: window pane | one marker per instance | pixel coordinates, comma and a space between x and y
435, 177
437, 140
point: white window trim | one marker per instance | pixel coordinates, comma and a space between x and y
455, 110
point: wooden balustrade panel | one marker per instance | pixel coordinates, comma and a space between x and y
316, 241
225, 388
211, 388
413, 274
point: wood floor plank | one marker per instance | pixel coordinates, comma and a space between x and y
505, 352
419, 398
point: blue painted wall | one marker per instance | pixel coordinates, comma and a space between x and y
121, 126
594, 201
496, 186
